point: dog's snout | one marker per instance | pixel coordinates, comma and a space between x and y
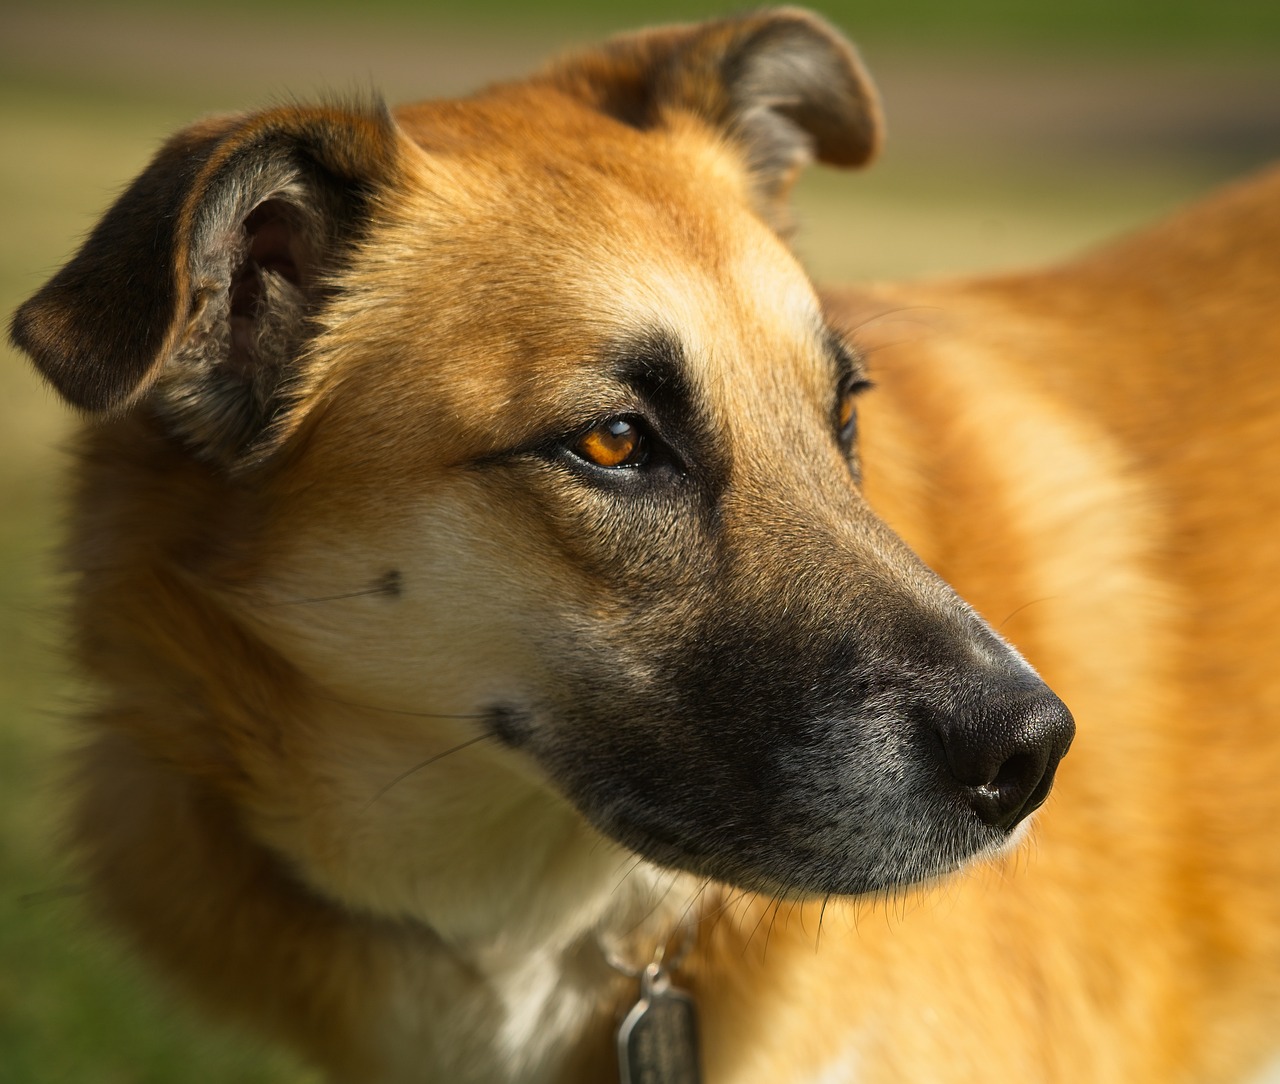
1003, 747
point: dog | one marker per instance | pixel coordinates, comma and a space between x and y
501, 661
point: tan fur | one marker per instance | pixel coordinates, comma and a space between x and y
1089, 455
1116, 421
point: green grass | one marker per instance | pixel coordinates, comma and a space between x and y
72, 1007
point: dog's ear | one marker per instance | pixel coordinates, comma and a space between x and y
781, 84
199, 283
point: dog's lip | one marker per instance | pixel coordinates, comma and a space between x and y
649, 835
652, 831
660, 846
664, 845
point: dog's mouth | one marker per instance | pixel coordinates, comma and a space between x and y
805, 825
815, 801
800, 856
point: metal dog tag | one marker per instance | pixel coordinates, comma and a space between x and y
658, 1038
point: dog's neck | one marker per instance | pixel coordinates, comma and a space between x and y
471, 908
393, 999
546, 1013
524, 903
460, 836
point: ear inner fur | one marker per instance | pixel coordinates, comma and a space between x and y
782, 85
154, 277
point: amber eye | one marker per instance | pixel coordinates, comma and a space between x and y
847, 408
847, 415
615, 442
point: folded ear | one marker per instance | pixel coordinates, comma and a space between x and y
198, 284
780, 84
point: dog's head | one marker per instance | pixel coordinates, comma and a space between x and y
514, 419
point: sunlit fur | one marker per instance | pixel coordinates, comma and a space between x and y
366, 642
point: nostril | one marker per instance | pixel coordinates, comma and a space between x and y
1020, 786
1004, 751
1015, 771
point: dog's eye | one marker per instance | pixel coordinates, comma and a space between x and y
615, 442
847, 410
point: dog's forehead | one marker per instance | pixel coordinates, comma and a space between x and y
534, 188
536, 239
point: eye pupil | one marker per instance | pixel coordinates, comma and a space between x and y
616, 442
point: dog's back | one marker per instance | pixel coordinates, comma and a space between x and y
1092, 455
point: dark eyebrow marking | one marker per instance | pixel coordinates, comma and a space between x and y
653, 366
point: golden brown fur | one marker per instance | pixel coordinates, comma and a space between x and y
1087, 454
1115, 419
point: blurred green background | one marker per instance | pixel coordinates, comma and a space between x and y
1019, 132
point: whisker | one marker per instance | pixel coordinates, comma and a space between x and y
376, 589
897, 310
697, 896
720, 913
727, 897
693, 901
426, 764
1033, 602
798, 903
764, 911
740, 902
626, 875
768, 934
657, 904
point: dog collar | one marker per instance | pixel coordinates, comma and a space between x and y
657, 1039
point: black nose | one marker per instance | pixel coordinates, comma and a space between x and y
1002, 743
